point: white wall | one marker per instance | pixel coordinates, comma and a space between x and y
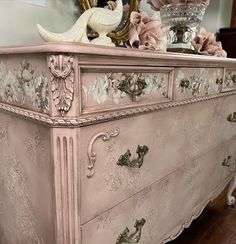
225, 13
18, 20
218, 15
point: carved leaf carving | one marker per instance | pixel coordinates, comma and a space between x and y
62, 69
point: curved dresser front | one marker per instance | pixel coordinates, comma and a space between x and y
109, 145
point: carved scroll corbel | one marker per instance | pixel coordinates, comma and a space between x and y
92, 154
62, 69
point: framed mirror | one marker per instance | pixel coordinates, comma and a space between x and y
120, 35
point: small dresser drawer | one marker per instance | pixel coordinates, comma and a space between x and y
156, 213
197, 82
172, 137
229, 80
118, 87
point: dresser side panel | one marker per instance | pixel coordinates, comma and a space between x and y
26, 182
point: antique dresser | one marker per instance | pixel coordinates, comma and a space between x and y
104, 145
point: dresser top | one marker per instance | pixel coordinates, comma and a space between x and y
95, 50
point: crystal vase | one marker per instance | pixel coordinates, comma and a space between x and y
183, 20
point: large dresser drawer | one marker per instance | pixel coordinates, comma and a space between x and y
173, 137
190, 187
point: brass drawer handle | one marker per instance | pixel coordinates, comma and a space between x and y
219, 81
232, 117
184, 84
124, 160
234, 78
133, 87
134, 237
227, 162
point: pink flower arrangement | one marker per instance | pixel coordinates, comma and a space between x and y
157, 4
146, 33
205, 43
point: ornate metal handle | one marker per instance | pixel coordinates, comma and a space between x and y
227, 162
134, 88
124, 160
234, 78
232, 117
219, 81
134, 237
184, 84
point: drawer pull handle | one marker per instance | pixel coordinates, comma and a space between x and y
124, 160
227, 162
219, 81
135, 237
234, 78
184, 84
133, 87
232, 117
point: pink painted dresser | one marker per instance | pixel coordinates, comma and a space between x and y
109, 145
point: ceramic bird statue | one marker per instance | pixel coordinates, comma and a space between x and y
98, 19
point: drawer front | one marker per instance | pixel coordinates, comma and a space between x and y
229, 80
163, 204
173, 137
197, 82
218, 165
123, 87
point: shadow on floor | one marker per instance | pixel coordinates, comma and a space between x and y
216, 225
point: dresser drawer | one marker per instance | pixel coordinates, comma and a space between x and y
166, 205
196, 82
218, 165
229, 80
118, 87
173, 137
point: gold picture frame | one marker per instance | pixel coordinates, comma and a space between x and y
120, 35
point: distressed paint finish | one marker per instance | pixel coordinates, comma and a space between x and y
202, 82
21, 87
118, 183
158, 203
46, 154
26, 209
229, 80
66, 182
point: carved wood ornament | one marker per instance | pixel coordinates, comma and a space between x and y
62, 69
106, 136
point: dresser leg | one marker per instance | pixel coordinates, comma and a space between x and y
232, 186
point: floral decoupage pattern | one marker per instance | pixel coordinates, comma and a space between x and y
197, 82
104, 88
21, 87
230, 79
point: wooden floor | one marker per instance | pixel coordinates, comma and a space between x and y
216, 225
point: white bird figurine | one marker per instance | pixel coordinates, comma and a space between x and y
101, 20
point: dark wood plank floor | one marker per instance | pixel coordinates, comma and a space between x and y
216, 225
